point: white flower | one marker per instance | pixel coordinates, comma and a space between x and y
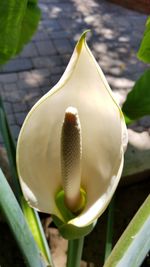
103, 137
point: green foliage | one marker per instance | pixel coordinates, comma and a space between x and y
30, 214
10, 208
18, 22
144, 50
36, 228
29, 24
134, 244
137, 103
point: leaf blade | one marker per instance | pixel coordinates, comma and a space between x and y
34, 223
144, 50
134, 244
31, 215
19, 21
15, 218
137, 103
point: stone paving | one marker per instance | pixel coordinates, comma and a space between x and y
115, 39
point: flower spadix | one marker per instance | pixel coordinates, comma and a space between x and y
71, 146
71, 156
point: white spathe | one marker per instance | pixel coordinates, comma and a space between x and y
104, 138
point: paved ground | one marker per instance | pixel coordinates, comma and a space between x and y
115, 40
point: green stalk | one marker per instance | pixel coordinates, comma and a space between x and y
109, 233
74, 254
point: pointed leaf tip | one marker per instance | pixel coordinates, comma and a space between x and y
82, 39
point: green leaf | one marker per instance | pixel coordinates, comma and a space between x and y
31, 215
144, 50
134, 244
11, 15
18, 22
127, 120
35, 226
137, 103
11, 150
15, 218
29, 24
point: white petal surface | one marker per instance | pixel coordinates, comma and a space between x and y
84, 87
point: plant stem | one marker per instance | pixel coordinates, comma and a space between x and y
109, 234
74, 254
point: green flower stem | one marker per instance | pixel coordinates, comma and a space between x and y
74, 254
109, 233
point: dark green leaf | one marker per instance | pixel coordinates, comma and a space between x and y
18, 22
29, 24
16, 221
144, 50
11, 15
137, 103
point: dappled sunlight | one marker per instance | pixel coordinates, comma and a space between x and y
33, 78
139, 140
114, 45
43, 61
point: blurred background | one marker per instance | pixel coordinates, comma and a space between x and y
115, 37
